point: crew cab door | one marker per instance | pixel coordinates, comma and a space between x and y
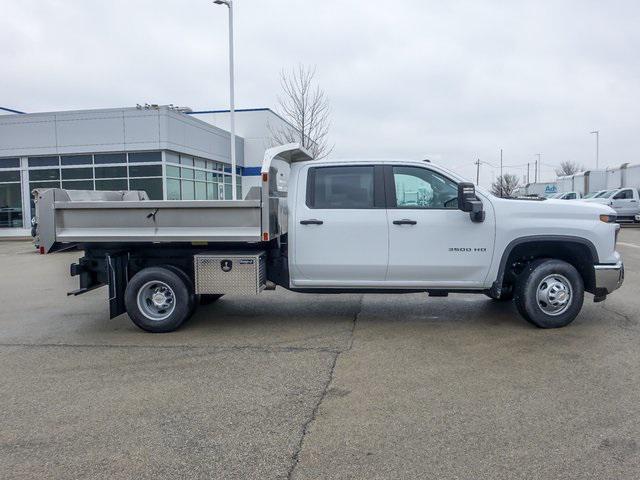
431, 242
340, 223
625, 202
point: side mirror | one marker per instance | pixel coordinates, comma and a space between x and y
468, 202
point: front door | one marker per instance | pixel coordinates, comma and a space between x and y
624, 202
431, 242
341, 233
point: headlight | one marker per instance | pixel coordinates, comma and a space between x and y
607, 218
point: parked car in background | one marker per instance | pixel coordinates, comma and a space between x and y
594, 194
567, 196
625, 201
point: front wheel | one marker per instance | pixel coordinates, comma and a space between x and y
549, 293
158, 300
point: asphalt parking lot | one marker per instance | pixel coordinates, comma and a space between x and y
300, 386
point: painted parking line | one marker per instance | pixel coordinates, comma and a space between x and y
632, 245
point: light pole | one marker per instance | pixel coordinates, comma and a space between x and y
537, 168
501, 176
232, 111
597, 132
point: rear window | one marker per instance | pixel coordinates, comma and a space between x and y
345, 187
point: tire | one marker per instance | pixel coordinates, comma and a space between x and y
554, 280
209, 299
157, 300
194, 300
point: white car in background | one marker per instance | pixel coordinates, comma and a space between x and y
594, 194
566, 196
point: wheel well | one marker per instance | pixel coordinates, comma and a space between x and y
580, 255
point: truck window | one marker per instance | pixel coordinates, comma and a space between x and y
341, 187
422, 188
623, 195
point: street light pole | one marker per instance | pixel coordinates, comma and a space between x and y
537, 168
597, 132
501, 177
232, 110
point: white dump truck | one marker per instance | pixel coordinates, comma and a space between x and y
333, 226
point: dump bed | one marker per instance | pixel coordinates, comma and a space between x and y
66, 217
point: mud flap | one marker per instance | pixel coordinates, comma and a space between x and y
118, 279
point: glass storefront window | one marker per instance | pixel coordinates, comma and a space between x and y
44, 161
76, 160
145, 157
201, 191
77, 173
78, 185
153, 186
34, 185
120, 184
173, 171
47, 174
145, 170
186, 160
211, 188
187, 173
9, 163
9, 176
227, 192
111, 172
199, 163
201, 175
10, 205
173, 189
104, 158
188, 190
171, 157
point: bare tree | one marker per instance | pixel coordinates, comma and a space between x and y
305, 106
568, 167
505, 185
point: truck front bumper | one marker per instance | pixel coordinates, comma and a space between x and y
609, 277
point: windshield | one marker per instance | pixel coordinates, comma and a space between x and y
556, 195
590, 195
606, 194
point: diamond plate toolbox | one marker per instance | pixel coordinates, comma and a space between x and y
230, 273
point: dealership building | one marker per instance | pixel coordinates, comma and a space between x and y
170, 153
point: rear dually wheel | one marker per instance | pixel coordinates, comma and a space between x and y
158, 300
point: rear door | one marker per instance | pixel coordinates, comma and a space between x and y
341, 232
625, 203
431, 242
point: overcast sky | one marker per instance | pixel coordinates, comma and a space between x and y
449, 80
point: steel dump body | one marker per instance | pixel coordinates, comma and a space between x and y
70, 217
158, 221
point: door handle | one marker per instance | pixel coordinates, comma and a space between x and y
633, 201
404, 221
313, 221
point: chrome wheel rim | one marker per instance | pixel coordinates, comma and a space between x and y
156, 300
554, 294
